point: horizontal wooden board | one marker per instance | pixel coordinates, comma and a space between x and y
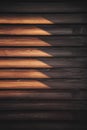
43, 87
44, 73
33, 95
44, 95
43, 29
42, 18
43, 115
43, 52
42, 62
43, 7
43, 41
44, 84
59, 105
42, 125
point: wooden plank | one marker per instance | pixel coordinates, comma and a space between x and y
44, 84
51, 116
43, 41
42, 18
43, 29
43, 52
48, 125
42, 62
31, 96
44, 95
63, 105
43, 7
43, 115
44, 73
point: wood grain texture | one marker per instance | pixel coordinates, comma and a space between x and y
33, 96
43, 30
44, 95
44, 84
43, 65
43, 41
42, 18
42, 62
43, 52
43, 7
44, 73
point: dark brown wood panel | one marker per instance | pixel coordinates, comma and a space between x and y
44, 95
43, 65
43, 7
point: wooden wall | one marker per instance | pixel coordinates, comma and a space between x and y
43, 65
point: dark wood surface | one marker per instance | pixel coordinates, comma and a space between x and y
43, 65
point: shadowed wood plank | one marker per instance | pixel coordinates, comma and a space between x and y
43, 84
33, 95
43, 7
42, 18
43, 41
44, 73
43, 95
48, 125
43, 115
36, 115
43, 30
40, 105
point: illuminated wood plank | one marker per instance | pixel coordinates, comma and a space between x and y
44, 73
43, 84
42, 18
42, 52
42, 62
43, 30
43, 41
